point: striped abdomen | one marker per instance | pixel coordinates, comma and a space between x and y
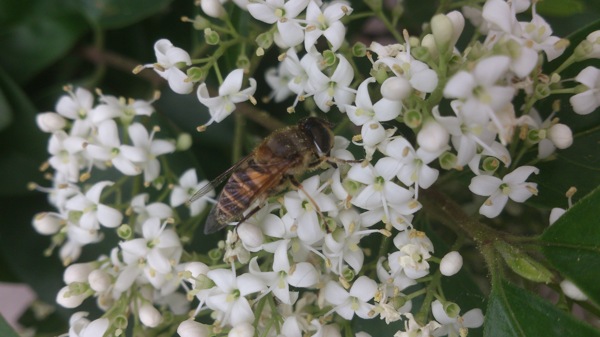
247, 184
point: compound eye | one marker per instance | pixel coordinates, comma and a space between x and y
320, 132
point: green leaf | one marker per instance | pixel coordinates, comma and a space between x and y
5, 329
118, 13
24, 146
39, 38
513, 311
6, 113
560, 7
572, 245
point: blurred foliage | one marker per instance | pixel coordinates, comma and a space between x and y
96, 44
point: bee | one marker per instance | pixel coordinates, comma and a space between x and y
280, 157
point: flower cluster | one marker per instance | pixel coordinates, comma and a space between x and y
299, 265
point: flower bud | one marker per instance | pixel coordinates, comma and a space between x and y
572, 291
149, 315
560, 135
451, 264
442, 30
69, 300
396, 88
99, 280
47, 223
50, 121
78, 272
189, 328
244, 329
184, 141
428, 42
433, 137
212, 8
251, 235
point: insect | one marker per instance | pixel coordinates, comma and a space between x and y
281, 156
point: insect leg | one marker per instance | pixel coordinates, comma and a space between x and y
299, 186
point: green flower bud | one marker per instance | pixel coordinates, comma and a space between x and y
447, 160
184, 141
442, 30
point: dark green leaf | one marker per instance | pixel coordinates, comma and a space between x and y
513, 311
24, 146
49, 30
118, 13
572, 245
560, 7
5, 329
6, 113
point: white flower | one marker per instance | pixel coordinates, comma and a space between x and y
332, 89
370, 115
243, 329
188, 185
415, 249
80, 326
538, 35
278, 79
396, 278
77, 106
107, 148
213, 8
151, 147
159, 246
300, 275
325, 23
409, 165
168, 59
405, 67
478, 89
230, 93
303, 210
512, 186
589, 100
230, 297
594, 39
452, 326
66, 154
355, 301
433, 137
145, 211
413, 329
92, 213
112, 107
283, 13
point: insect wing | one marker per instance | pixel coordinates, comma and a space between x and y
250, 184
219, 179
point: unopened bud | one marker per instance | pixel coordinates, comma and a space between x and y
50, 121
99, 280
451, 263
48, 223
251, 235
149, 315
396, 88
433, 137
212, 8
69, 300
561, 135
442, 30
184, 141
78, 272
189, 328
572, 291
